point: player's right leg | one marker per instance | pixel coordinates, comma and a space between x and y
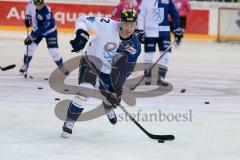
105, 89
150, 48
74, 111
163, 44
29, 54
52, 44
87, 79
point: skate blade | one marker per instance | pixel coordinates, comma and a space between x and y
64, 134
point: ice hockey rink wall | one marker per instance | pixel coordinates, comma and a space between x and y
203, 19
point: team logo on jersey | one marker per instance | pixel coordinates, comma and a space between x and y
91, 19
158, 15
110, 47
131, 49
39, 17
165, 1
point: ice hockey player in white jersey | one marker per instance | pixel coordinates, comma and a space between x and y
116, 48
153, 26
40, 17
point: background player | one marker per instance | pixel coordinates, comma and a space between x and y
153, 24
116, 48
116, 15
183, 7
39, 14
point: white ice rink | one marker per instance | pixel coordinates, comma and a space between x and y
209, 71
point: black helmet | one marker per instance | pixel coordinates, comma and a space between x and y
38, 2
129, 15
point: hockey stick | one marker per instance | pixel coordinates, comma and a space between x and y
150, 69
25, 76
152, 136
160, 138
8, 67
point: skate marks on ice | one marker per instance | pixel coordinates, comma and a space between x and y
56, 82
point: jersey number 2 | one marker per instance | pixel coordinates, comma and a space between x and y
105, 20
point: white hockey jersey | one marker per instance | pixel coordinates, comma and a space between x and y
106, 40
153, 17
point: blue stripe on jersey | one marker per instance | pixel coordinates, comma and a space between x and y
169, 8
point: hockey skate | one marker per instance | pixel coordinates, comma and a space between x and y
64, 70
162, 82
23, 68
161, 77
110, 113
111, 116
67, 129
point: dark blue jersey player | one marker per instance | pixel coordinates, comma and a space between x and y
40, 16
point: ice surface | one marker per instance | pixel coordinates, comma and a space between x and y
29, 128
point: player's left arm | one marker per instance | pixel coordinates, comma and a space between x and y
141, 22
123, 64
83, 25
174, 14
28, 16
178, 31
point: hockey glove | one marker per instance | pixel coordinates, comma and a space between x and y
80, 40
178, 34
29, 39
28, 21
112, 98
141, 36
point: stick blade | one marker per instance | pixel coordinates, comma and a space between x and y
163, 137
8, 67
